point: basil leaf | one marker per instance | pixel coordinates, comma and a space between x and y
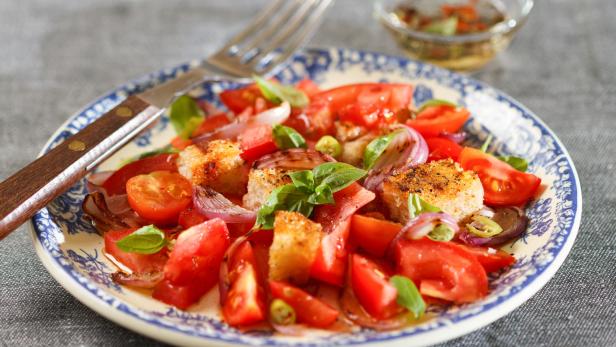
185, 115
336, 175
435, 102
446, 27
146, 240
376, 148
441, 233
486, 143
277, 93
303, 179
286, 137
417, 205
408, 295
322, 195
288, 198
517, 163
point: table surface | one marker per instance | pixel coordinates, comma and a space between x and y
58, 55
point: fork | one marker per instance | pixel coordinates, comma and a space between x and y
261, 48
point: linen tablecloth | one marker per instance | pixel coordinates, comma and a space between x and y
57, 55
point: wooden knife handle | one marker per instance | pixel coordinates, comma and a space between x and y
34, 186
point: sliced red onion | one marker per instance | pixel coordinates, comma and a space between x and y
275, 115
513, 220
96, 208
96, 179
212, 204
406, 150
455, 137
138, 280
423, 224
290, 330
293, 159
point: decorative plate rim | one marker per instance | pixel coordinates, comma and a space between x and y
431, 336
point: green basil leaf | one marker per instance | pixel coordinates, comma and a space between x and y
185, 116
486, 143
446, 27
322, 195
376, 148
517, 163
277, 93
146, 240
303, 179
336, 175
408, 295
288, 198
286, 137
417, 205
441, 233
435, 102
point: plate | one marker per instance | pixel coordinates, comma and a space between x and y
71, 250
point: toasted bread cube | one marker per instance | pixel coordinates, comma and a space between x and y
441, 183
353, 151
261, 182
296, 242
348, 131
217, 165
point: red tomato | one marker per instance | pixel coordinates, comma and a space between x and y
238, 100
138, 263
441, 269
491, 259
316, 120
372, 288
116, 183
368, 104
159, 196
180, 143
211, 123
179, 296
373, 235
330, 262
502, 184
197, 254
434, 120
244, 304
308, 87
441, 148
190, 217
256, 142
308, 309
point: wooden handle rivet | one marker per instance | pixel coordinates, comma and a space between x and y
76, 146
124, 111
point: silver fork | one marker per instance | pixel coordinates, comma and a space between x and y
274, 35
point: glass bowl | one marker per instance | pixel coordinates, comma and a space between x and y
465, 52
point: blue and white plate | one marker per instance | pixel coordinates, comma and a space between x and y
72, 251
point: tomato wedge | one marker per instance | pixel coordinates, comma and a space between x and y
490, 258
256, 142
373, 235
308, 309
435, 120
138, 263
244, 304
441, 270
116, 183
190, 217
441, 148
197, 254
181, 297
502, 184
159, 196
330, 262
237, 100
372, 288
211, 123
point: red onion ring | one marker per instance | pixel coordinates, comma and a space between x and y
293, 159
289, 330
455, 137
139, 280
96, 208
513, 220
406, 150
275, 115
421, 226
212, 204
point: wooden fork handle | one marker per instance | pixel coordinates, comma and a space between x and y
34, 186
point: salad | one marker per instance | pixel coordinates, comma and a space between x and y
330, 209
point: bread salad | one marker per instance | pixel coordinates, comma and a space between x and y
331, 209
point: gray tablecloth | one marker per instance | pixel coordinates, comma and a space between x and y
57, 55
